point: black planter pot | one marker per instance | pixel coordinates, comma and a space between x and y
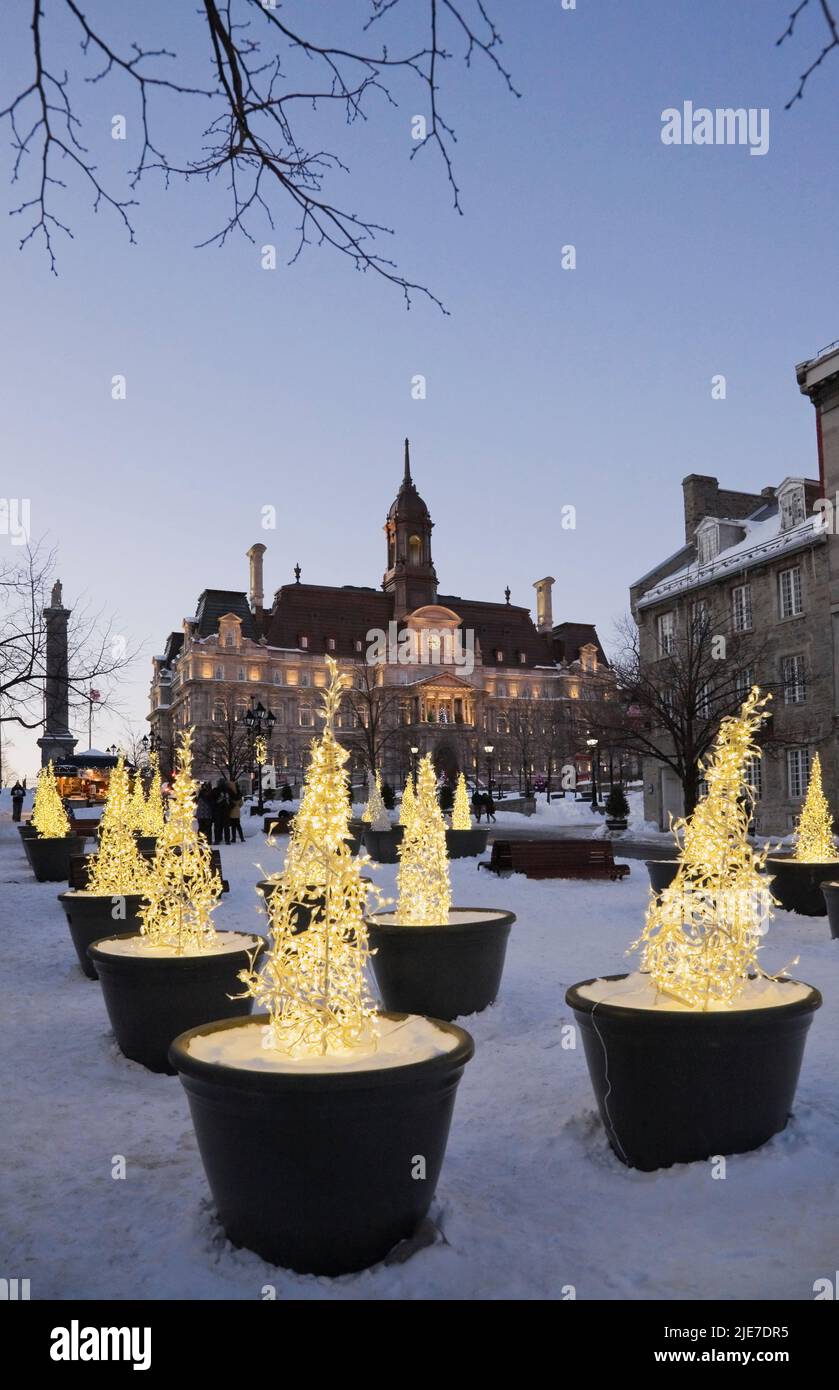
50, 856
27, 831
151, 999
464, 844
831, 900
383, 845
443, 972
797, 885
313, 1170
90, 917
661, 872
147, 844
676, 1087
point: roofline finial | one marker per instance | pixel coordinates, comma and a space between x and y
407, 478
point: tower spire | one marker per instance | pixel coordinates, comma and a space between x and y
407, 478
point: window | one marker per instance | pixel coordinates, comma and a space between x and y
499, 655
219, 673
703, 701
522, 658
358, 644
304, 642
753, 775
743, 682
414, 551
503, 724
707, 544
666, 633
798, 772
278, 677
741, 607
501, 689
306, 720
241, 674
793, 680
218, 713
792, 507
229, 639
305, 678
699, 614
330, 644
789, 588
588, 659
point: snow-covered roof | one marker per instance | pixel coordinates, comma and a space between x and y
764, 540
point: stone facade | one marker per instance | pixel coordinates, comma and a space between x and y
482, 672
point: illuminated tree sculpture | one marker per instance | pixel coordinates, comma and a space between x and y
48, 814
461, 815
702, 934
117, 867
406, 810
182, 890
375, 813
136, 807
313, 984
814, 829
423, 878
154, 818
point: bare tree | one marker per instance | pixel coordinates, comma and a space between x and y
831, 42
227, 743
266, 87
373, 716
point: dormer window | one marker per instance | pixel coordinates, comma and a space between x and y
792, 505
588, 659
304, 642
499, 655
522, 658
707, 541
330, 644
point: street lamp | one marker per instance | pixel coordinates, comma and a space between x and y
414, 752
260, 725
489, 749
592, 744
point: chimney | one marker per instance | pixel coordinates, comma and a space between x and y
700, 493
255, 596
544, 605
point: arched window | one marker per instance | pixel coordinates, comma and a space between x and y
306, 720
415, 551
218, 713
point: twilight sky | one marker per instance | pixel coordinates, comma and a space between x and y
545, 387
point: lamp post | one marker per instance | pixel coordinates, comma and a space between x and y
260, 725
488, 749
414, 753
592, 744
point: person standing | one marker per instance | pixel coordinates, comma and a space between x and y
489, 807
221, 809
204, 811
477, 805
235, 813
18, 793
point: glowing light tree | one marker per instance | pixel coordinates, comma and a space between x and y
177, 970
406, 809
154, 817
136, 807
313, 983
374, 812
51, 845
323, 1089
461, 813
799, 877
428, 957
116, 880
699, 1052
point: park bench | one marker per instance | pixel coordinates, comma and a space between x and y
278, 823
86, 826
80, 869
555, 859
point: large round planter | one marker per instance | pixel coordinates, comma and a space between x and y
383, 845
679, 1086
661, 872
441, 971
152, 998
90, 916
464, 844
50, 856
797, 885
831, 901
147, 845
316, 1170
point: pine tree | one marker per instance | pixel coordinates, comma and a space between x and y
423, 877
182, 891
153, 819
48, 814
461, 814
117, 867
814, 830
313, 984
406, 810
701, 936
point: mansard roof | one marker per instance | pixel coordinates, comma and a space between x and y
214, 603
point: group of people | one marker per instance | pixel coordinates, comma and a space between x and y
482, 803
218, 811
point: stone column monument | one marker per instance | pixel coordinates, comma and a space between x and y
57, 743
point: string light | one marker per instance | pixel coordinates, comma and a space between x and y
260, 749
813, 833
182, 891
117, 867
314, 984
375, 808
406, 810
136, 807
48, 814
423, 878
461, 815
154, 817
702, 934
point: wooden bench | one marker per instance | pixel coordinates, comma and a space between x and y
86, 826
80, 871
279, 823
555, 859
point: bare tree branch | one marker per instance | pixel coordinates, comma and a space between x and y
833, 42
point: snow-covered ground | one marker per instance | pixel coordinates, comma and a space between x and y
531, 1199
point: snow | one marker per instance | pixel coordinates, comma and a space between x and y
456, 918
637, 991
413, 1040
531, 1197
138, 945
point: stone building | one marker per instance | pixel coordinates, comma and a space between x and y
429, 670
759, 562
